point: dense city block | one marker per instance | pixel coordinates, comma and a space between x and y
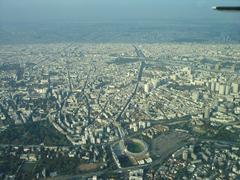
120, 111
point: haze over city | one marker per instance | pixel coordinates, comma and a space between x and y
59, 20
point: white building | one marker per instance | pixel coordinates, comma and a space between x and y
146, 88
235, 87
221, 89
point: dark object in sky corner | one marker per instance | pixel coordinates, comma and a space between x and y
227, 8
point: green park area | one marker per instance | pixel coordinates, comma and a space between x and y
33, 134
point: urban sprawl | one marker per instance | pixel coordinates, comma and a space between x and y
120, 111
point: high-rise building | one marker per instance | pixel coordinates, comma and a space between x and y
213, 86
146, 88
155, 83
221, 89
185, 155
235, 87
217, 86
19, 73
227, 90
207, 113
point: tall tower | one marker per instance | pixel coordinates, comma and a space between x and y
20, 71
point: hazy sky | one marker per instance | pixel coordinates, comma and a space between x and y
109, 10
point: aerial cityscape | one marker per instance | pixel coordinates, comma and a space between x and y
135, 111
119, 90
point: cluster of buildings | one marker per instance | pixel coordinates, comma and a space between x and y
94, 94
207, 160
40, 155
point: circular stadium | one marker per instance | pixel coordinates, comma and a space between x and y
135, 147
